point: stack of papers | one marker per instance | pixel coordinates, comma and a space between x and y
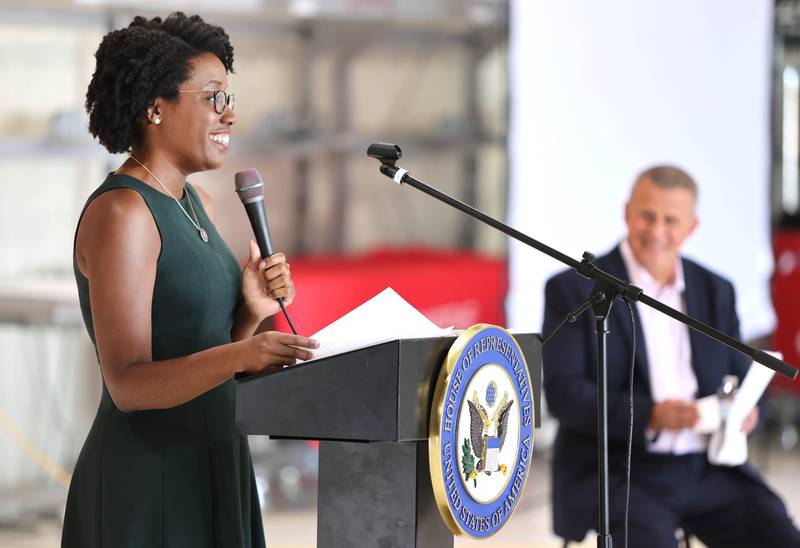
385, 317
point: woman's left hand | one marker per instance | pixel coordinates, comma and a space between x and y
264, 281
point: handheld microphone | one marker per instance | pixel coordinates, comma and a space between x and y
250, 188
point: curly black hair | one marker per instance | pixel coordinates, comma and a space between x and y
148, 59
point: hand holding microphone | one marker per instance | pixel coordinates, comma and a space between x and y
273, 270
264, 282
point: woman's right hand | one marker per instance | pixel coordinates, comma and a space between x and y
273, 350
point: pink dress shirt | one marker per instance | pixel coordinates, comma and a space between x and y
669, 354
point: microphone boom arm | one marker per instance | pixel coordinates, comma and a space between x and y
388, 154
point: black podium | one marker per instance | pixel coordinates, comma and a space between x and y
370, 409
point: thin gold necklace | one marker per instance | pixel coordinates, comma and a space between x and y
200, 230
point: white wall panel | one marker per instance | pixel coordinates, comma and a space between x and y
601, 90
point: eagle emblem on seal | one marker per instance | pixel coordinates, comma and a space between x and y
487, 435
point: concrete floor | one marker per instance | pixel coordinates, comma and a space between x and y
528, 528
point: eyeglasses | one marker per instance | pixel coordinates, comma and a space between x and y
217, 96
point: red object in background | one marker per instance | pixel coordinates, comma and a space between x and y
458, 288
786, 300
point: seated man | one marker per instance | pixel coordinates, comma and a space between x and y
672, 483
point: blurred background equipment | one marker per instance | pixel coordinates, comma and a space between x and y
784, 402
315, 82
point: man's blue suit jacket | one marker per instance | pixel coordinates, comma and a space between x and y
571, 391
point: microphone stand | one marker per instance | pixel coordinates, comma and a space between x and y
606, 290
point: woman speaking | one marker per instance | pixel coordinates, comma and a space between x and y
170, 312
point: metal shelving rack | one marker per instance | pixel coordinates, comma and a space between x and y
347, 34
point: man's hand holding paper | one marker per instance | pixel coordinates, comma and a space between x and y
728, 446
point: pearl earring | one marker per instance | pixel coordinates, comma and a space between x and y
157, 121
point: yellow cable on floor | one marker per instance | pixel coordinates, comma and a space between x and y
46, 463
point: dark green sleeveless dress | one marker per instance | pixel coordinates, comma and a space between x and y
176, 477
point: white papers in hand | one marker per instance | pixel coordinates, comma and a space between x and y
385, 317
710, 418
729, 446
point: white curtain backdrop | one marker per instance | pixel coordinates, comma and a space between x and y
601, 90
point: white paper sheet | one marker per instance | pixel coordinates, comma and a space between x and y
384, 317
729, 446
710, 418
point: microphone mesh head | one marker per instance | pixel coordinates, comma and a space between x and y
249, 184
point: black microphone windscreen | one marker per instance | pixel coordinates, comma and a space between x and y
249, 185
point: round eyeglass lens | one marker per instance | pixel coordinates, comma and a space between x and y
219, 101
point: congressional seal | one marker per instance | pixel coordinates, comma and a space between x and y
480, 441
